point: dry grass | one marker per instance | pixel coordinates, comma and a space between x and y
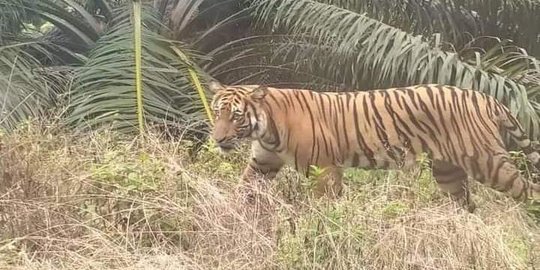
103, 202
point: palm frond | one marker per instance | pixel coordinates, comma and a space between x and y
27, 90
12, 18
457, 20
250, 60
84, 32
517, 20
365, 53
455, 23
505, 59
101, 7
104, 90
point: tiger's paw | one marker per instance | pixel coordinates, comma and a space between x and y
466, 204
251, 193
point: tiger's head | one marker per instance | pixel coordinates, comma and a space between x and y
238, 114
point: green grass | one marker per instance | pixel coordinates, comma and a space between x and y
104, 201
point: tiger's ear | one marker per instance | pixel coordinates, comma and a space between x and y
259, 93
215, 86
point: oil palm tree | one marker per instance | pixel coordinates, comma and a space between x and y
90, 43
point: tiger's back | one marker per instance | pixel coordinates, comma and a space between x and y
383, 128
459, 129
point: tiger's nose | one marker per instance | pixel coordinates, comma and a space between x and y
220, 140
221, 132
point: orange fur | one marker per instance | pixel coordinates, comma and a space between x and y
459, 130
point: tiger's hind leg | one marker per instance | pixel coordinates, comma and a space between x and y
453, 180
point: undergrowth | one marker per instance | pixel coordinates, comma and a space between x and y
104, 201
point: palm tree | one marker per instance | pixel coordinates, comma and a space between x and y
89, 50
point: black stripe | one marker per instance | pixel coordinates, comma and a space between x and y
286, 97
344, 124
366, 110
437, 105
298, 99
411, 93
412, 117
427, 112
361, 142
315, 141
355, 161
397, 99
275, 101
443, 98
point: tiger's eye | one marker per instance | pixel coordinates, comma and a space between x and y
237, 117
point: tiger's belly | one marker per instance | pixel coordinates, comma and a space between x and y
381, 161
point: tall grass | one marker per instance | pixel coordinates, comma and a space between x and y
103, 201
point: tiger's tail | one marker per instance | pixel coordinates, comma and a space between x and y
517, 133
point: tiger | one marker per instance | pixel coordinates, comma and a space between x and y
460, 130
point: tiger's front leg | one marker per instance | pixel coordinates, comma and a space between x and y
258, 169
329, 183
263, 165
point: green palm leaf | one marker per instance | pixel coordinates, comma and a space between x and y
27, 90
84, 31
457, 20
104, 91
517, 20
12, 18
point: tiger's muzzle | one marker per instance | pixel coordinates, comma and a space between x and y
226, 147
226, 144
